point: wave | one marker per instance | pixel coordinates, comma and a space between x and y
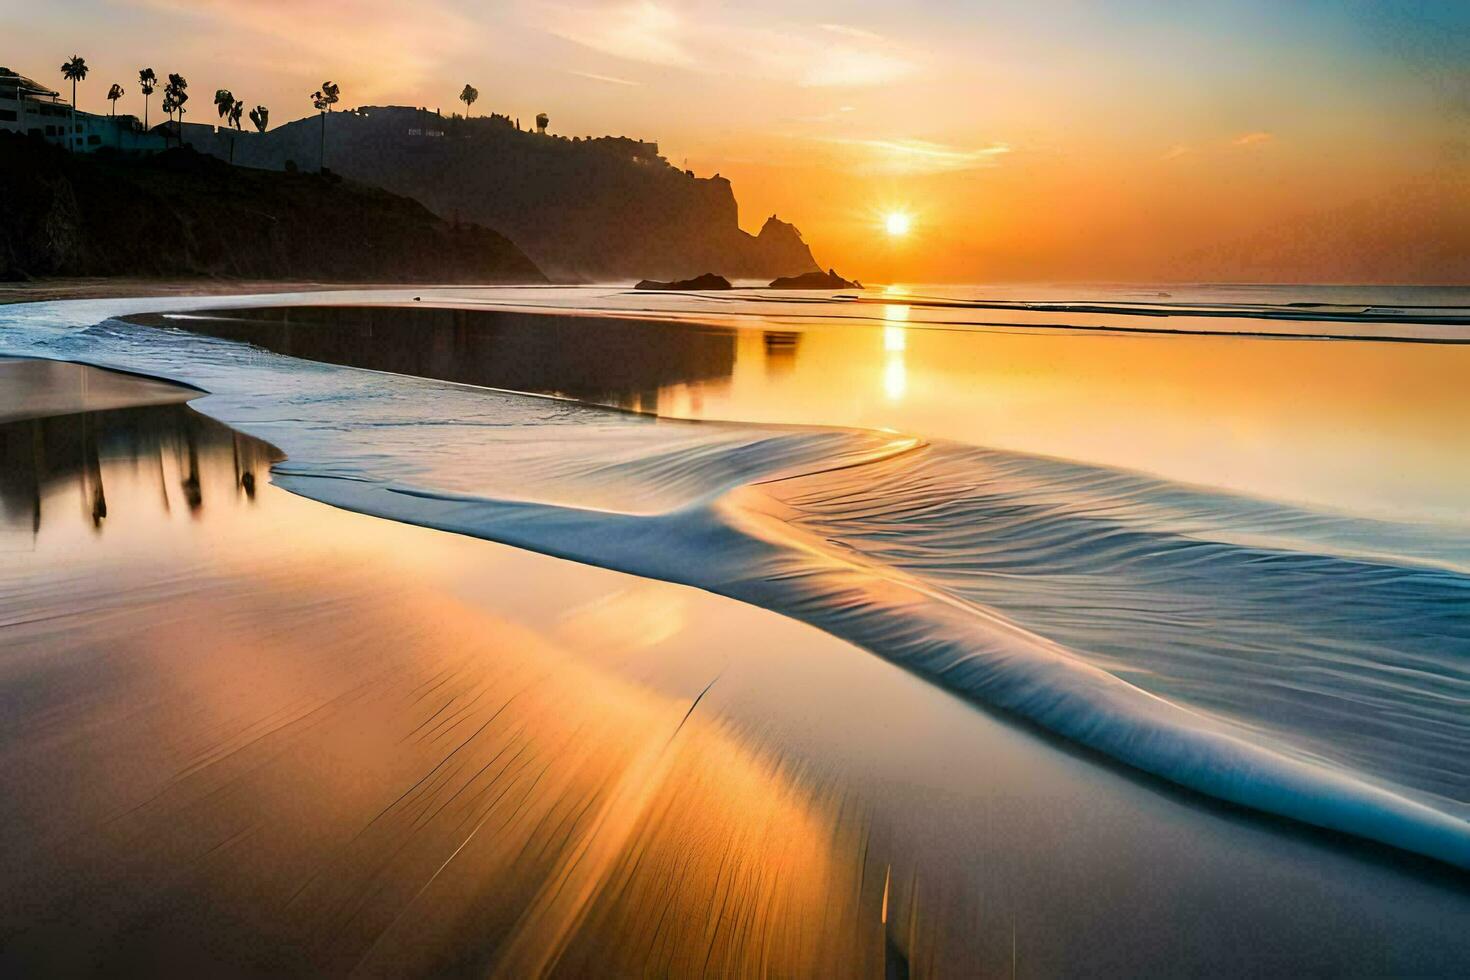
1306, 665
760, 544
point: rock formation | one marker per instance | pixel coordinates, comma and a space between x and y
583, 209
816, 280
707, 281
181, 213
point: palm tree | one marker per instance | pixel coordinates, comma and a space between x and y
169, 105
147, 79
260, 115
234, 115
542, 121
113, 94
224, 102
322, 100
468, 97
175, 91
74, 71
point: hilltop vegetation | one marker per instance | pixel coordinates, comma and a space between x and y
606, 208
181, 213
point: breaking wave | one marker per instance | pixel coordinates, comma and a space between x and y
1303, 664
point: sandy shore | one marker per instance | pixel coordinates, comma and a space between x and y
248, 733
111, 287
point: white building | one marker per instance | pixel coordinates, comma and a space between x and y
27, 106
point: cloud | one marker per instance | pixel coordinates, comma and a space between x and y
847, 30
1176, 151
911, 156
611, 80
852, 65
641, 31
1251, 139
370, 48
827, 55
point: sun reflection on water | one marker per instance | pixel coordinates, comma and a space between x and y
895, 342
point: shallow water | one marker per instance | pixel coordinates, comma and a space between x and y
250, 733
1307, 659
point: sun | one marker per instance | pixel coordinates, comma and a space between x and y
897, 224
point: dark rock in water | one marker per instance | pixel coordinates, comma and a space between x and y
707, 281
816, 280
182, 213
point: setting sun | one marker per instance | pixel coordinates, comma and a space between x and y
897, 223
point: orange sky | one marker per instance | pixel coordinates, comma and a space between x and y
1307, 141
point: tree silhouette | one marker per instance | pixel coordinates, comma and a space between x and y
169, 105
175, 92
468, 97
74, 71
113, 94
147, 80
225, 104
236, 111
320, 103
542, 121
323, 99
260, 115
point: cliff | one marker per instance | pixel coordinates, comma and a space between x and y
607, 208
180, 213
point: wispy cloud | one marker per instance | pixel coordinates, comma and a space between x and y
641, 31
847, 30
912, 156
373, 52
1176, 151
827, 55
1251, 139
611, 80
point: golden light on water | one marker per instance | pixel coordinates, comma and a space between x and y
895, 341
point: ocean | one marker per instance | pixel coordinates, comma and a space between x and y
1215, 535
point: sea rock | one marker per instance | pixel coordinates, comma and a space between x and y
816, 280
707, 281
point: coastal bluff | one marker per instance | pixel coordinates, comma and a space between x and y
583, 209
182, 213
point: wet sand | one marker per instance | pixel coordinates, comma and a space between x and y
37, 389
109, 287
248, 733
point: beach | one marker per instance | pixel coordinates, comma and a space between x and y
252, 731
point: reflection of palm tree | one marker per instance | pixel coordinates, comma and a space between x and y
192, 492
38, 466
147, 79
74, 71
92, 472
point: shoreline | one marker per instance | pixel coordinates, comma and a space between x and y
1048, 817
